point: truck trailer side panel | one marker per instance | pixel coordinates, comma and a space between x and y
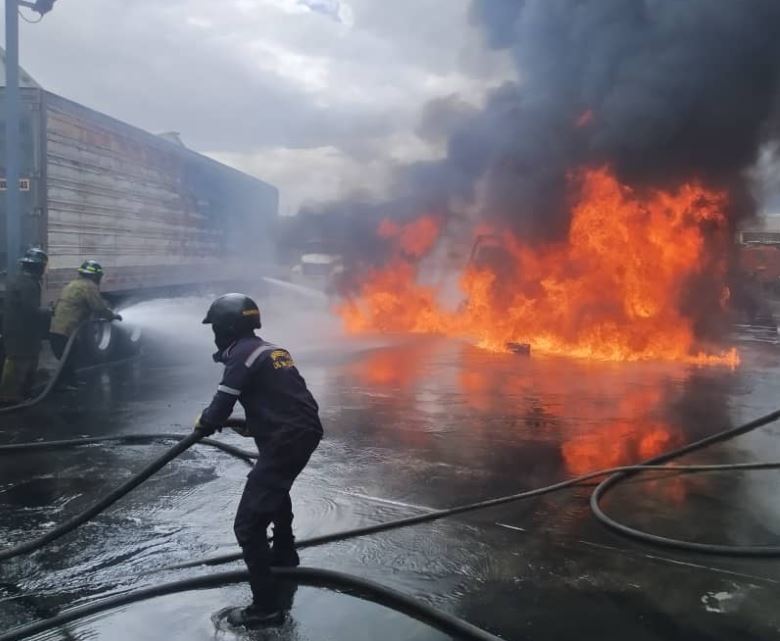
153, 212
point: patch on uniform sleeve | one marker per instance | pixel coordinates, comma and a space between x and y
281, 359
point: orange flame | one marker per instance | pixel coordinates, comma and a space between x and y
612, 291
392, 301
413, 239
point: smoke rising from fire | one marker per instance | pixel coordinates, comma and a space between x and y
655, 98
663, 91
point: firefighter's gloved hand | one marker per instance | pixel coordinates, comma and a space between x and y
117, 317
204, 428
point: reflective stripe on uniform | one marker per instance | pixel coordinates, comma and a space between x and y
228, 390
258, 353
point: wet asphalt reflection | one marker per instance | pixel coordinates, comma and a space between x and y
412, 423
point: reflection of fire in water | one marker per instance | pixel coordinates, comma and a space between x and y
613, 291
621, 442
391, 367
557, 401
591, 416
627, 441
384, 369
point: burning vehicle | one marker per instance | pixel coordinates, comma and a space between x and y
602, 193
612, 290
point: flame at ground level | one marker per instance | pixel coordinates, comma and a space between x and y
613, 291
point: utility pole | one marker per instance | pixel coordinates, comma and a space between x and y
13, 221
13, 218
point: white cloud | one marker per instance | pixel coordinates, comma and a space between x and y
309, 175
310, 73
271, 85
340, 11
306, 176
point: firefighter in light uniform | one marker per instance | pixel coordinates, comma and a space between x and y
25, 324
80, 301
282, 417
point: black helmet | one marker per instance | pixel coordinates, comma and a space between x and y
36, 255
34, 261
91, 269
233, 314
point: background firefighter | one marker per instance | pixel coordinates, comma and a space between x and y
80, 301
25, 323
282, 417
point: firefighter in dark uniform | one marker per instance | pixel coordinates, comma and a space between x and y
282, 417
25, 323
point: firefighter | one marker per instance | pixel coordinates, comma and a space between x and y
282, 417
25, 324
80, 301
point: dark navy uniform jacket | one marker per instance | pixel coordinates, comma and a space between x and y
264, 379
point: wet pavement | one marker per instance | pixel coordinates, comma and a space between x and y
412, 423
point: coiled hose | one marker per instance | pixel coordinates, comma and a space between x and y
414, 608
706, 548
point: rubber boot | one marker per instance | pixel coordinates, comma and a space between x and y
254, 616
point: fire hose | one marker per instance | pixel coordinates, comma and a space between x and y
47, 389
372, 591
67, 354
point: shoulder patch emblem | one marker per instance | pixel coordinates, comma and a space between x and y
281, 359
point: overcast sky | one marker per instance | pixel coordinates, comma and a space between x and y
319, 97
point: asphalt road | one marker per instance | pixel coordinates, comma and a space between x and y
412, 423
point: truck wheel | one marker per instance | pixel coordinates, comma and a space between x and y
99, 341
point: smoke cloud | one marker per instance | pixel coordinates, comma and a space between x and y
662, 91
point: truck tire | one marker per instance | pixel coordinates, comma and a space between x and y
98, 342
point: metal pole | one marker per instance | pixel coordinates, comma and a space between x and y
12, 212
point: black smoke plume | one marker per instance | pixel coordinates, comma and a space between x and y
663, 91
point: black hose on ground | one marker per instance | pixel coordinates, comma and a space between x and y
132, 439
129, 439
383, 595
434, 515
108, 500
356, 586
646, 537
47, 389
616, 475
67, 354
124, 439
40, 609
